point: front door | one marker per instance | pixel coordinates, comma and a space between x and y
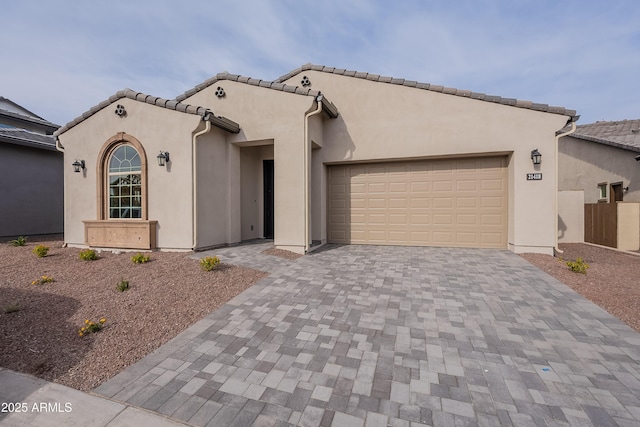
267, 167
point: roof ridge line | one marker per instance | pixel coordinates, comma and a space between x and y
268, 84
430, 87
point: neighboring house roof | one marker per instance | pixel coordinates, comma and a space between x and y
622, 134
328, 106
426, 86
27, 138
205, 113
19, 114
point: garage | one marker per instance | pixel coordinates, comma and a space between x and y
458, 202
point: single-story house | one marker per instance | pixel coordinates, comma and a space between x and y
318, 155
31, 178
598, 167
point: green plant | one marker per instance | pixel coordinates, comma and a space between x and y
209, 263
20, 241
43, 280
578, 266
88, 255
122, 285
12, 308
140, 258
41, 251
91, 327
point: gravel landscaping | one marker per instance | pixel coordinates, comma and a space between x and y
612, 280
39, 323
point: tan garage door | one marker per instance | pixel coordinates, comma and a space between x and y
445, 202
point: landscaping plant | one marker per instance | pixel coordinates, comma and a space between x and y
41, 251
20, 241
140, 258
88, 255
123, 285
43, 280
210, 263
578, 266
91, 327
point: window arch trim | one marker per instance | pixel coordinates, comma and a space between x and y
103, 171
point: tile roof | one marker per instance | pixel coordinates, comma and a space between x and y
27, 138
329, 108
250, 81
426, 86
218, 121
622, 134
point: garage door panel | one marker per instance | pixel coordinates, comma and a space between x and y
450, 202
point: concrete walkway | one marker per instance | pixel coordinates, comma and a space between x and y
29, 401
394, 336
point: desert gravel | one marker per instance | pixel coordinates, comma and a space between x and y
171, 292
166, 295
612, 280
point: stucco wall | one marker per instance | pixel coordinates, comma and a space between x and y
628, 226
168, 188
267, 114
585, 164
571, 216
31, 188
383, 122
214, 190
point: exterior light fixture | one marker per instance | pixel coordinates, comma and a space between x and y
163, 158
536, 157
78, 165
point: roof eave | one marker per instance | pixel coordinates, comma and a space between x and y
27, 143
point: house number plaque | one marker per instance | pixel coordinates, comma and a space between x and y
534, 176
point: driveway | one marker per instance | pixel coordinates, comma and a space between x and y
394, 336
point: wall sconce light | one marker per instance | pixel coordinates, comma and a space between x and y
536, 157
78, 165
163, 158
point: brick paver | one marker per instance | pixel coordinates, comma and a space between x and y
373, 335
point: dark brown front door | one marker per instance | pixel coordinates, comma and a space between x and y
267, 166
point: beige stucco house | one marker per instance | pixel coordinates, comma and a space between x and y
598, 167
319, 155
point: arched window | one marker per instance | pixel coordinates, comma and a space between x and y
122, 179
125, 183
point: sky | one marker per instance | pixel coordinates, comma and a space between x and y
59, 58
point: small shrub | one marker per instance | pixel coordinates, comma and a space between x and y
210, 263
122, 285
91, 327
43, 280
88, 255
41, 251
140, 258
20, 241
578, 266
12, 308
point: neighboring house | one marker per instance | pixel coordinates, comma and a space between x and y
319, 155
31, 177
598, 166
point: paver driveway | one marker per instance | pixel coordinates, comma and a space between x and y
394, 336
